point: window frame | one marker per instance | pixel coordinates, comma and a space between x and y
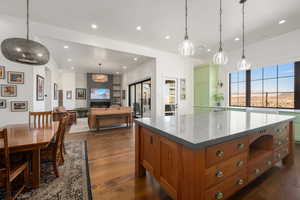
295, 76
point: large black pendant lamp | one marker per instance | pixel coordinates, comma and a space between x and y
24, 50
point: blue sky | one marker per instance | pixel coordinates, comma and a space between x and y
285, 83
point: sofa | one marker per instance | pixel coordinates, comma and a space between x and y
109, 116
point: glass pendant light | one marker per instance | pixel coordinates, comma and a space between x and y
220, 58
186, 48
24, 50
243, 64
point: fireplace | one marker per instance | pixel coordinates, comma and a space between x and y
100, 104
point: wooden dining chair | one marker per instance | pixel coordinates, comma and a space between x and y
40, 119
10, 171
54, 150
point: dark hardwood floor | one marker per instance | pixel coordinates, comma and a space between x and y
111, 162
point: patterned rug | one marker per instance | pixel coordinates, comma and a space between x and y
74, 180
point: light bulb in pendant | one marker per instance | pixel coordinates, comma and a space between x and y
243, 64
220, 58
186, 48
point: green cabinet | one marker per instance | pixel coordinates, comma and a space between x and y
205, 86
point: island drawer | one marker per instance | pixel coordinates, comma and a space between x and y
259, 165
280, 153
228, 187
218, 173
280, 142
218, 153
281, 130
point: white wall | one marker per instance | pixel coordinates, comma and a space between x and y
144, 71
80, 82
24, 93
278, 50
68, 84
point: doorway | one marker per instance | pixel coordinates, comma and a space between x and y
140, 98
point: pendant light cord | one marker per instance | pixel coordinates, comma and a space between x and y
186, 21
27, 23
221, 12
243, 56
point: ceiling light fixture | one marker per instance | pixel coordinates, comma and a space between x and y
99, 77
208, 50
243, 64
117, 72
167, 37
124, 67
94, 26
69, 60
282, 21
237, 39
135, 59
72, 68
25, 51
220, 58
138, 28
186, 48
66, 47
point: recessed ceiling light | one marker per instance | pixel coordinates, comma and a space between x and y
124, 67
72, 68
138, 28
66, 47
94, 26
117, 72
167, 37
282, 21
135, 59
237, 39
208, 50
69, 59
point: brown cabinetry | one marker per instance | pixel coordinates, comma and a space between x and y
215, 172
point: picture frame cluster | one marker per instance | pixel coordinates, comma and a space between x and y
10, 90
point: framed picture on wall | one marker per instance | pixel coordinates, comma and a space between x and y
182, 89
8, 90
19, 106
40, 88
15, 77
80, 94
69, 94
2, 72
55, 94
2, 103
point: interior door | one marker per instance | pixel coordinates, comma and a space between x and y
170, 96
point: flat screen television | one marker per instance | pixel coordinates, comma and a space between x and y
100, 93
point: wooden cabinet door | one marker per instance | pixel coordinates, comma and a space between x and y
149, 150
169, 166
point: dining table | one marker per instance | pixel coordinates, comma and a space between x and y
24, 138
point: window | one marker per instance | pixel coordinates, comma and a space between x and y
238, 88
270, 87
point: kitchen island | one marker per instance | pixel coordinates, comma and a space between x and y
211, 155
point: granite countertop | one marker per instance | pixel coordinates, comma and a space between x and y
209, 128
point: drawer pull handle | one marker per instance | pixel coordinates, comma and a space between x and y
220, 153
219, 195
257, 171
241, 146
262, 131
219, 174
286, 150
240, 163
278, 130
278, 155
240, 182
269, 163
285, 127
279, 143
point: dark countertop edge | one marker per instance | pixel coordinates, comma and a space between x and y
210, 142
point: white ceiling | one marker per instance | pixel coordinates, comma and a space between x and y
86, 58
117, 19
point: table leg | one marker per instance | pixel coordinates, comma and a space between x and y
36, 169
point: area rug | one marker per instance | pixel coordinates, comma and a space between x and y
74, 180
